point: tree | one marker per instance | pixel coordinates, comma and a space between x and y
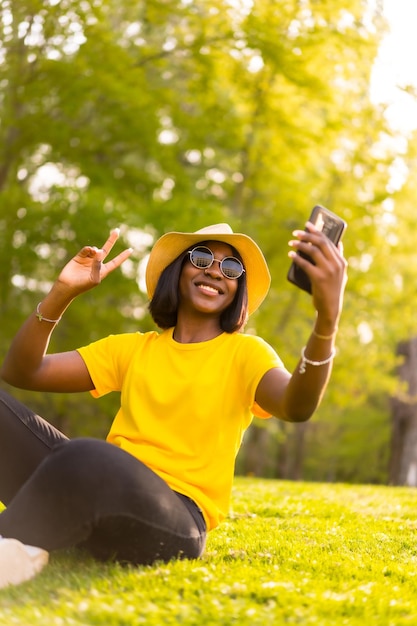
170, 115
403, 462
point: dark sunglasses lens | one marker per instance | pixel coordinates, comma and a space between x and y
201, 258
232, 268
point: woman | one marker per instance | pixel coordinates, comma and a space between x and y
163, 477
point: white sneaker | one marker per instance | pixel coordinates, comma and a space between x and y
19, 562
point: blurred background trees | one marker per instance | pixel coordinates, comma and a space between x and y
170, 115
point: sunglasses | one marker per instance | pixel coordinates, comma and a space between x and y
203, 257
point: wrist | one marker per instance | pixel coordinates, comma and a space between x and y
306, 361
329, 334
42, 318
53, 305
327, 327
60, 295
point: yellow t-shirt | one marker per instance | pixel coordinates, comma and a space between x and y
184, 407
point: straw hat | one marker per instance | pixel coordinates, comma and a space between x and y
168, 247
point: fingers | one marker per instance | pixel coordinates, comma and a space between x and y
314, 243
327, 271
116, 262
102, 253
97, 256
111, 240
328, 263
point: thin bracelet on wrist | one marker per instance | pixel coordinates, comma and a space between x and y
305, 361
316, 334
41, 318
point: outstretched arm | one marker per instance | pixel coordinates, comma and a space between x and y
26, 364
295, 397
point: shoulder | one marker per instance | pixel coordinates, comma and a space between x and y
120, 342
251, 342
250, 347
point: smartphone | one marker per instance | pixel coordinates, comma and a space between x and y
333, 227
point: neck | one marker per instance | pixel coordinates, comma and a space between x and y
196, 332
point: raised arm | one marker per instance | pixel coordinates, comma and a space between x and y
295, 397
27, 364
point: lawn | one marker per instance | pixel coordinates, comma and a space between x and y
290, 553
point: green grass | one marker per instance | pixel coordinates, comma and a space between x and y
290, 553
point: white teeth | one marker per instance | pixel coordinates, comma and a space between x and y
207, 288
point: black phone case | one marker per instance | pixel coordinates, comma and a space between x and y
333, 227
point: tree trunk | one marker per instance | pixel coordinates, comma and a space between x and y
265, 454
291, 453
403, 462
255, 456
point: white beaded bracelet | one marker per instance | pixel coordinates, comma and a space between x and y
41, 318
305, 361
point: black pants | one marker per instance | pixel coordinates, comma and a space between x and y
86, 492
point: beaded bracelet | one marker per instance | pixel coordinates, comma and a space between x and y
305, 361
41, 318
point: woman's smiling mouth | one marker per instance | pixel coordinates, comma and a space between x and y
208, 288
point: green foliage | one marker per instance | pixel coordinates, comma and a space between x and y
158, 116
289, 553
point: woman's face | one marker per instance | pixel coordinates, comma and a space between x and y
206, 290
